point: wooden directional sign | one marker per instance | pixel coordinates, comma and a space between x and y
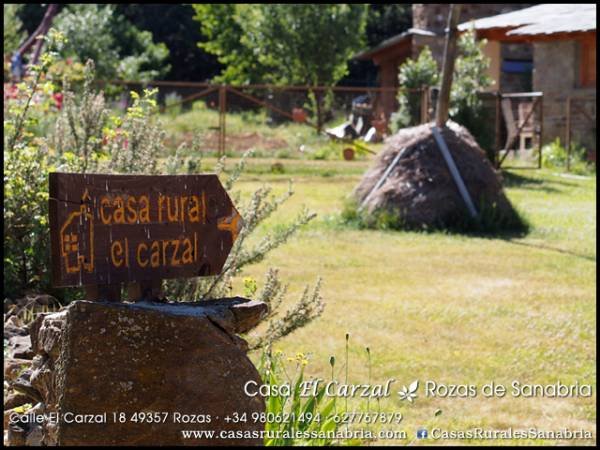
107, 229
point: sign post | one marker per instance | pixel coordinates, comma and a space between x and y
137, 229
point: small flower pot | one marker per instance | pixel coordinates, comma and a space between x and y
348, 153
299, 115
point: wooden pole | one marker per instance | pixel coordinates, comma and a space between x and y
145, 290
222, 112
460, 184
568, 136
427, 98
497, 132
441, 116
103, 292
423, 105
541, 106
41, 30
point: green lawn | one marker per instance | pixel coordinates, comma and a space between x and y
448, 308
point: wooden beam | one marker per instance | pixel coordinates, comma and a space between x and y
500, 34
460, 184
568, 138
441, 115
41, 30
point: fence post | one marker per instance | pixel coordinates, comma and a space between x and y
423, 105
222, 112
108, 292
541, 106
568, 132
145, 290
497, 131
427, 105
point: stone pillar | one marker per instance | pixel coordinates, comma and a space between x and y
143, 373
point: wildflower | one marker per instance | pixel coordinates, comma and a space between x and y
58, 100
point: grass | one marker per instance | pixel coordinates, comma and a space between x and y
445, 307
245, 130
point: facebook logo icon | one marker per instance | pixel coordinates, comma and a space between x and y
422, 433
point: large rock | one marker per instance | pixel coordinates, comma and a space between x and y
15, 399
20, 347
13, 367
115, 360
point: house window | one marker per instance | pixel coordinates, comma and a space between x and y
587, 67
517, 66
516, 75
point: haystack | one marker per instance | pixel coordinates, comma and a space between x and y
420, 189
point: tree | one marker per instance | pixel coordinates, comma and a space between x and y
307, 44
387, 20
119, 49
188, 61
222, 26
384, 20
13, 28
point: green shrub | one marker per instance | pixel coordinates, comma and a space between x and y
283, 154
13, 28
173, 104
88, 137
414, 74
470, 78
118, 48
554, 156
314, 414
491, 220
26, 166
330, 150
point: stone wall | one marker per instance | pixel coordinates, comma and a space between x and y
556, 74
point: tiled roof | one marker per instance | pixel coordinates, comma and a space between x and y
394, 40
540, 19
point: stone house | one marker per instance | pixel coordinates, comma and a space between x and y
562, 38
429, 23
550, 48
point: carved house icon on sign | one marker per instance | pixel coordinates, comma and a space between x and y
77, 239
